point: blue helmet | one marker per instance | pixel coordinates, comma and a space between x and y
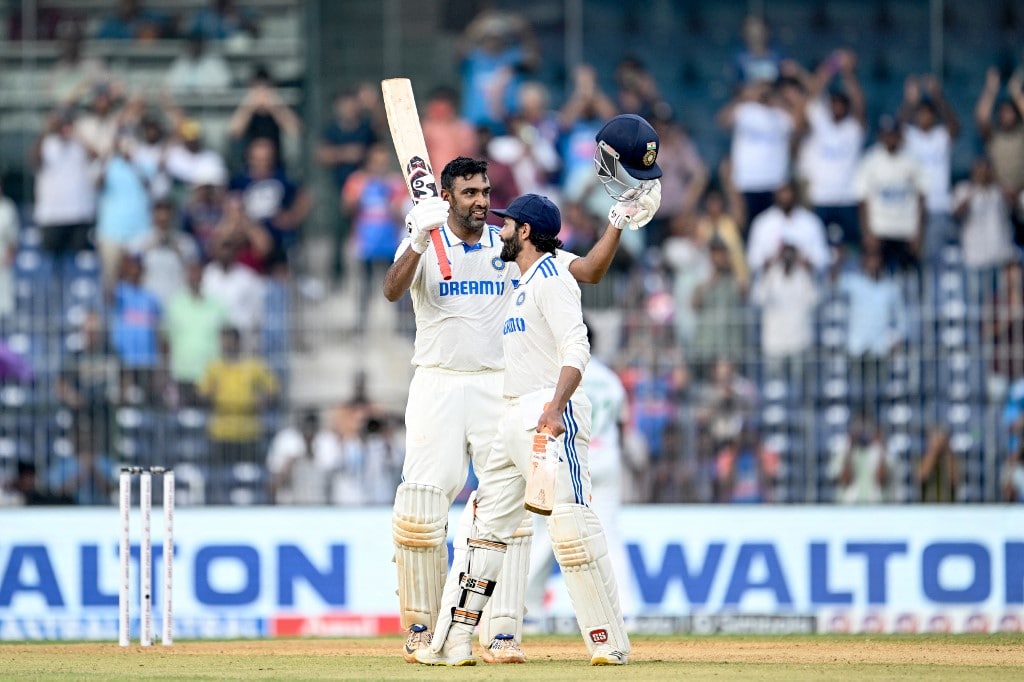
627, 156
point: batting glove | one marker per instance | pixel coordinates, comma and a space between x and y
636, 212
425, 216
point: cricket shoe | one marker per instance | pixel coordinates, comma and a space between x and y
450, 655
419, 638
503, 649
604, 654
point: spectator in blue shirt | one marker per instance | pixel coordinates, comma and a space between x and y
86, 477
223, 20
134, 331
132, 21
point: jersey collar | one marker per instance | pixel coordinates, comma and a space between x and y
528, 275
487, 238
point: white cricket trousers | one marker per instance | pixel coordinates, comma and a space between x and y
450, 418
502, 480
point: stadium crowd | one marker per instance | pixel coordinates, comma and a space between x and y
799, 273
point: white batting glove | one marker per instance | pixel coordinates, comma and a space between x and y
635, 213
425, 216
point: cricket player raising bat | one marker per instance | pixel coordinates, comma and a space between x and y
455, 397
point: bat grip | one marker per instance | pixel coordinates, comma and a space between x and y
442, 257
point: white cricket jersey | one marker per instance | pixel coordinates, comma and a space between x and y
607, 398
932, 149
458, 322
829, 156
543, 329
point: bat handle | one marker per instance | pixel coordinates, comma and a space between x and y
442, 257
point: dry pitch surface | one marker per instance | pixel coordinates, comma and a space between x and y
964, 657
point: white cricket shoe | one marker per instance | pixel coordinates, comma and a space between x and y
419, 638
604, 654
450, 655
503, 649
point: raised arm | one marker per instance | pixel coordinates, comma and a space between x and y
986, 102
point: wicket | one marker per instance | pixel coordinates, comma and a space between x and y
145, 555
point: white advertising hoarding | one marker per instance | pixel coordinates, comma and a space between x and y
327, 571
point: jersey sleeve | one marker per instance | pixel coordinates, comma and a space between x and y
559, 302
564, 258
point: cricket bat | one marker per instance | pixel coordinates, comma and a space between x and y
407, 136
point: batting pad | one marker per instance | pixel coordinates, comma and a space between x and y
581, 550
419, 526
504, 612
468, 589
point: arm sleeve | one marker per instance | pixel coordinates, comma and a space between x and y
559, 301
565, 257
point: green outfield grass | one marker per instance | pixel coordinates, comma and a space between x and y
823, 657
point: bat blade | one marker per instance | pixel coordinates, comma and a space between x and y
411, 149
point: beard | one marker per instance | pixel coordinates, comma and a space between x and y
510, 248
467, 221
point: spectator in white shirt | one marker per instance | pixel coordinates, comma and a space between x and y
980, 205
302, 460
787, 293
197, 69
65, 189
762, 122
9, 226
833, 145
787, 220
890, 188
930, 126
239, 289
188, 161
98, 128
166, 252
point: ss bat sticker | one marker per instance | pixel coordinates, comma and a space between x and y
421, 179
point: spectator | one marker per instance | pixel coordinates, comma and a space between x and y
343, 148
495, 51
447, 135
272, 199
938, 474
686, 256
746, 471
584, 113
255, 242
24, 490
1003, 330
237, 387
757, 61
302, 461
979, 204
787, 293
684, 175
859, 467
149, 151
1004, 139
535, 111
237, 287
718, 302
189, 161
374, 197
166, 251
722, 215
123, 212
930, 127
724, 404
74, 72
134, 332
876, 323
86, 476
90, 380
65, 194
762, 123
204, 208
192, 328
891, 188
98, 128
132, 21
533, 160
9, 229
787, 221
833, 145
637, 91
263, 115
198, 70
225, 20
